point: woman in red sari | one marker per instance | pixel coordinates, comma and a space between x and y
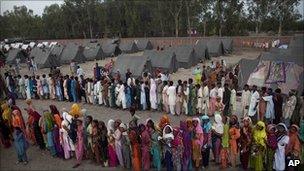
133, 136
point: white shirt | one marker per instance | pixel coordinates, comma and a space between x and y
80, 72
213, 93
279, 155
254, 99
171, 95
245, 99
220, 93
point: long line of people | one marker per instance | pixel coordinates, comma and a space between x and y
143, 146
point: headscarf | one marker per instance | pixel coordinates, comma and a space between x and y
283, 125
34, 114
49, 121
198, 128
218, 124
164, 120
168, 135
270, 127
110, 126
176, 133
18, 120
75, 110
6, 114
259, 136
247, 119
206, 125
54, 110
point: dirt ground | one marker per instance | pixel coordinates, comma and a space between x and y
43, 161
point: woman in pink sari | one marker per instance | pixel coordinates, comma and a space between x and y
197, 142
79, 146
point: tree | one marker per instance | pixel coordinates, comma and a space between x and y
175, 8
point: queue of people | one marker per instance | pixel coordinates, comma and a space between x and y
270, 134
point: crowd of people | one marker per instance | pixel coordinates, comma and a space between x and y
265, 134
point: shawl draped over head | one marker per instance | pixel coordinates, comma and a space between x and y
247, 119
168, 135
6, 114
206, 124
259, 136
34, 114
164, 120
18, 119
110, 126
283, 125
49, 121
198, 129
54, 109
75, 110
218, 124
270, 127
176, 133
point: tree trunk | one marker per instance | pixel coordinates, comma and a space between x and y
176, 26
205, 28
220, 31
257, 28
188, 18
160, 20
280, 28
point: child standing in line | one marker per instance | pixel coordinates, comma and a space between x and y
21, 145
225, 144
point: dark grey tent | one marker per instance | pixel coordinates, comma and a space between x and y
185, 56
144, 44
164, 60
93, 51
215, 47
110, 49
227, 44
13, 54
43, 58
136, 64
72, 52
128, 47
247, 66
202, 50
56, 51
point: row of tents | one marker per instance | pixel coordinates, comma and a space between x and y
277, 68
186, 55
55, 55
172, 58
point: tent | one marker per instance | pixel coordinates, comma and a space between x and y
56, 51
13, 54
164, 60
227, 44
43, 58
144, 44
128, 47
72, 52
185, 56
215, 47
110, 49
136, 64
93, 51
247, 66
202, 50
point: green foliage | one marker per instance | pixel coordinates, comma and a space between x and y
148, 18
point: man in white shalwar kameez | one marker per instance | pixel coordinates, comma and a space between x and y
165, 97
186, 97
51, 84
66, 141
121, 97
220, 91
21, 85
99, 92
27, 87
252, 112
171, 92
269, 115
245, 100
205, 100
153, 99
90, 91
199, 104
233, 100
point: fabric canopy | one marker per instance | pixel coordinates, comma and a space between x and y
185, 56
44, 58
128, 47
72, 52
13, 54
136, 64
144, 44
164, 60
93, 51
